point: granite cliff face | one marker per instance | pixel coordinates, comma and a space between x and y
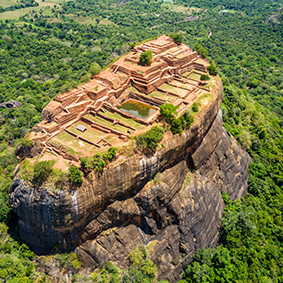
170, 201
176, 213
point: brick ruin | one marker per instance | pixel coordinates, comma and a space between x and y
173, 76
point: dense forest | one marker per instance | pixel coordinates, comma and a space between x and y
52, 50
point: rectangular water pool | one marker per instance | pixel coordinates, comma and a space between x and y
137, 108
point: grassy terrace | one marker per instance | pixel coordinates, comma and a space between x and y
90, 134
77, 147
106, 123
113, 139
192, 83
51, 125
185, 74
178, 91
80, 148
133, 89
202, 92
195, 76
161, 95
127, 121
122, 76
176, 83
115, 82
187, 86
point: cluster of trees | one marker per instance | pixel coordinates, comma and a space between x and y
247, 51
250, 8
43, 172
177, 38
24, 4
141, 269
178, 125
132, 14
150, 139
98, 161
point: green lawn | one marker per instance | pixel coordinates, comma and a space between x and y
90, 134
64, 137
93, 135
166, 87
132, 123
180, 8
185, 74
178, 91
8, 3
158, 94
161, 95
182, 85
194, 76
106, 123
202, 92
76, 147
11, 15
112, 139
188, 86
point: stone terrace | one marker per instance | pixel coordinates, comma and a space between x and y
173, 76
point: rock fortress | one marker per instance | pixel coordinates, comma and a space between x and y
168, 201
122, 100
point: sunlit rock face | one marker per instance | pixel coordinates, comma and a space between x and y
169, 200
176, 213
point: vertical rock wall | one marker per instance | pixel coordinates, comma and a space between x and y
48, 217
170, 201
176, 213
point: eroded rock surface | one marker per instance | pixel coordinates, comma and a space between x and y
170, 201
11, 104
176, 213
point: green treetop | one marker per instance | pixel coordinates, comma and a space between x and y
146, 57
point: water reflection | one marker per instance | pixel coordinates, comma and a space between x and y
138, 109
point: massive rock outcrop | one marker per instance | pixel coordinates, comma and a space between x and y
176, 213
170, 201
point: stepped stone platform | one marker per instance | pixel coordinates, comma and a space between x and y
173, 77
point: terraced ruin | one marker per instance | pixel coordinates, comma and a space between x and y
168, 200
122, 101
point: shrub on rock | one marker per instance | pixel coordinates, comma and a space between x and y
42, 170
150, 139
169, 111
75, 175
146, 57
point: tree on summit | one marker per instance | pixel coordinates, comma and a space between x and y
95, 69
177, 38
169, 111
146, 57
200, 49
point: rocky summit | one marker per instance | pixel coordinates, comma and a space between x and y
168, 200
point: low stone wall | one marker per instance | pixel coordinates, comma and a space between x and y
112, 120
199, 67
145, 99
92, 123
